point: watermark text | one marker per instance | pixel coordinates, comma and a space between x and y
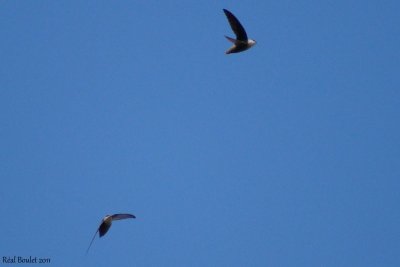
25, 259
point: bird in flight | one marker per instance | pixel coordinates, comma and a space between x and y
106, 224
241, 43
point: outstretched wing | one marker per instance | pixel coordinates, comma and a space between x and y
123, 216
92, 241
236, 26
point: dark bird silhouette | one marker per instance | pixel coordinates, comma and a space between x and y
241, 43
106, 224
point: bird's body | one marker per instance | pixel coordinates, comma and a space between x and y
241, 43
106, 223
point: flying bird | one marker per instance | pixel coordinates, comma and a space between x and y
241, 43
106, 224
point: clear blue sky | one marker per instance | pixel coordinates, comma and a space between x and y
285, 155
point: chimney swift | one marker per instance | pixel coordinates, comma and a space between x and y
241, 43
106, 224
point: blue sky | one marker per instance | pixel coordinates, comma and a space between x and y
285, 155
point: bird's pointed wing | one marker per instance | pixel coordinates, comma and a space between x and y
236, 26
92, 241
123, 216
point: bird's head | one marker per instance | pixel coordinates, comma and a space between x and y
107, 218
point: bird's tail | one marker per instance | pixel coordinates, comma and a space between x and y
230, 39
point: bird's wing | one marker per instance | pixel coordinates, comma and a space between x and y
236, 26
123, 216
92, 241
